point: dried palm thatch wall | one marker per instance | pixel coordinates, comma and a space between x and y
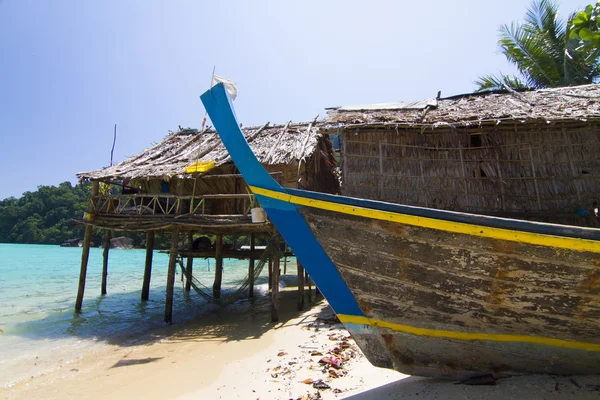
533, 155
297, 155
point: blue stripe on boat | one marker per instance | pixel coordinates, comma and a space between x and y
285, 216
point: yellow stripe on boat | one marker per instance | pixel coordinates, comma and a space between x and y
443, 225
567, 344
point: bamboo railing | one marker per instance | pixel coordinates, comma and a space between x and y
161, 204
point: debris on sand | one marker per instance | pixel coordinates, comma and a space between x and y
321, 360
319, 384
311, 396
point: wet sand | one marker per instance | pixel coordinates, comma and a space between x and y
225, 354
236, 353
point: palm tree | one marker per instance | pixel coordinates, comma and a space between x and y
543, 52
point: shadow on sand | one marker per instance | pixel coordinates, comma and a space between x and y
122, 319
246, 320
139, 361
517, 387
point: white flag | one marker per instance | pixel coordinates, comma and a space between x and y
229, 85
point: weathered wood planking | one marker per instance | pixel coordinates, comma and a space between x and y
433, 279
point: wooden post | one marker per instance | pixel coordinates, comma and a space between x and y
105, 261
380, 171
219, 267
284, 265
193, 195
275, 290
300, 286
345, 162
190, 263
85, 255
148, 266
572, 165
535, 182
424, 188
270, 272
179, 194
464, 174
251, 268
307, 279
171, 276
502, 192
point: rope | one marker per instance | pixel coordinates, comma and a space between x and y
206, 292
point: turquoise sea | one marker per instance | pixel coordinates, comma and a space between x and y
38, 287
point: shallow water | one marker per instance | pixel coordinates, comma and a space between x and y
38, 287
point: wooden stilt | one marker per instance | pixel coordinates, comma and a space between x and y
171, 276
285, 265
219, 267
251, 268
105, 262
85, 255
300, 286
270, 273
275, 291
148, 266
189, 263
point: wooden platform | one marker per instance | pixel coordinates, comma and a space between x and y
214, 224
238, 254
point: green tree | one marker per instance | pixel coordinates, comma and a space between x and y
44, 216
585, 27
9, 216
544, 51
28, 230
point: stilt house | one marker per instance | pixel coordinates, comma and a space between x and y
531, 155
188, 184
189, 180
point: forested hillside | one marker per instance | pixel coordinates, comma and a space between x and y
44, 216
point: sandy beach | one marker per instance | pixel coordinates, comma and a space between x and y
236, 353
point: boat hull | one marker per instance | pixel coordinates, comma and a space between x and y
432, 292
437, 295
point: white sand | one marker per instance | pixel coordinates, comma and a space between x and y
238, 354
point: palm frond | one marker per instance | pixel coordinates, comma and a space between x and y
542, 16
543, 52
522, 48
495, 82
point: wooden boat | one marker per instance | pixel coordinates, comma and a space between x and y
438, 293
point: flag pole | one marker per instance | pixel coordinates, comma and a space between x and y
212, 77
113, 146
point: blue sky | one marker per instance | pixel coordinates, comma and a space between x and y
70, 70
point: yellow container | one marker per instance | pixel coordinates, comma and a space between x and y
202, 166
89, 217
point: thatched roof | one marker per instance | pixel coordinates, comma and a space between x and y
272, 144
578, 103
